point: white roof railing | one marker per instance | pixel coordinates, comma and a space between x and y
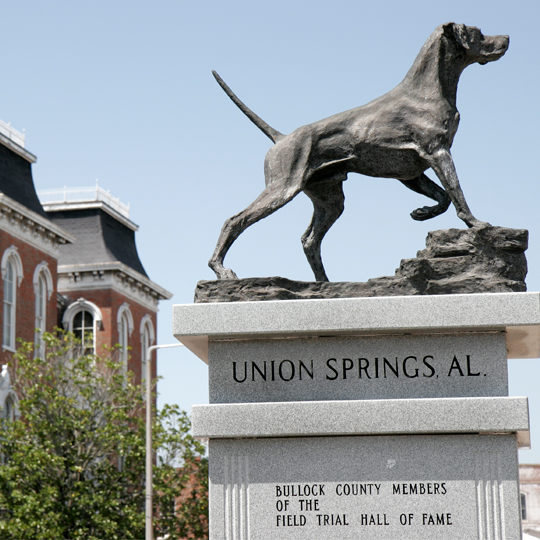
82, 195
12, 134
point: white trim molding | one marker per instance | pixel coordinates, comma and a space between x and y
12, 253
84, 205
43, 268
10, 258
112, 275
146, 322
81, 305
7, 392
124, 310
27, 225
146, 328
68, 319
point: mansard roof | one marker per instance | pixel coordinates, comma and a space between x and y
16, 175
101, 236
21, 213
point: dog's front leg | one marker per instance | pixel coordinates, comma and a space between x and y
443, 165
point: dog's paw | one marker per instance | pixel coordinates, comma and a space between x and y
421, 214
476, 224
226, 273
220, 271
472, 222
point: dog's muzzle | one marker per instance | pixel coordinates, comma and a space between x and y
495, 47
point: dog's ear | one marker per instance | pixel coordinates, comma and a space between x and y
457, 32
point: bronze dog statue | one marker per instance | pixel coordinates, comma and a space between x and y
398, 135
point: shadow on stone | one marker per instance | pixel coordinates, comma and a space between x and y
455, 261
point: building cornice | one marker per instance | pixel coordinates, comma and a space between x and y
114, 275
73, 206
27, 225
19, 150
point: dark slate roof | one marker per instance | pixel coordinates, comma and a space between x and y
100, 239
16, 180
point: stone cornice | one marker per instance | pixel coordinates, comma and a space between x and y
114, 275
25, 224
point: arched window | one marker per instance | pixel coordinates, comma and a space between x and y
10, 298
123, 333
125, 327
83, 328
12, 274
83, 318
148, 338
9, 404
9, 409
43, 289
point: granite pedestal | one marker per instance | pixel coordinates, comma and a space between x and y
376, 418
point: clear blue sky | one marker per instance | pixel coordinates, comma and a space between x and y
122, 91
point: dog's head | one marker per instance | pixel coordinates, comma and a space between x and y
476, 46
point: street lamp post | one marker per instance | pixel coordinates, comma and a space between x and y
149, 532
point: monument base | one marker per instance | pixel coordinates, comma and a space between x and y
382, 487
455, 261
375, 469
375, 418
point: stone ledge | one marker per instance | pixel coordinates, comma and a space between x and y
455, 261
516, 313
367, 417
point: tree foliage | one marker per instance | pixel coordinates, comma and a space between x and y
73, 463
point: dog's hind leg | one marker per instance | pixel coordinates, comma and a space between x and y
270, 200
424, 186
328, 203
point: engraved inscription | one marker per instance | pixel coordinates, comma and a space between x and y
422, 487
355, 368
301, 505
409, 367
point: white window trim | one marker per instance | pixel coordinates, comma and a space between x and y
124, 313
43, 268
83, 305
41, 272
12, 254
80, 305
7, 392
146, 323
12, 396
124, 310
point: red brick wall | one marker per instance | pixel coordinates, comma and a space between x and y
26, 299
109, 302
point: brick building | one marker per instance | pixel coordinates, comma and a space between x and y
529, 483
105, 289
70, 262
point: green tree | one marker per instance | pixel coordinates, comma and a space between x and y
73, 463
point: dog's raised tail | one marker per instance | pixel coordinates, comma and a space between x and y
269, 131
